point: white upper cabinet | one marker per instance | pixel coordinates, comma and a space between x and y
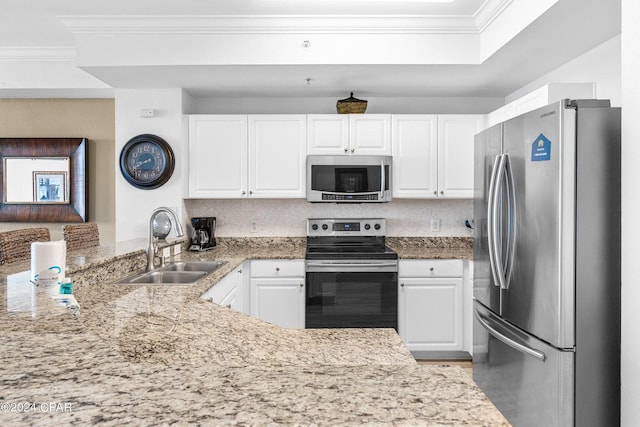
277, 154
238, 156
264, 156
370, 134
415, 155
358, 134
217, 155
455, 154
328, 134
433, 155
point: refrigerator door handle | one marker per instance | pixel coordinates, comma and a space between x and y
493, 221
511, 342
511, 223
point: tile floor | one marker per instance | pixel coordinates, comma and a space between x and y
464, 364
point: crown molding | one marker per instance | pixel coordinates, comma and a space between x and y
286, 24
489, 11
269, 24
38, 54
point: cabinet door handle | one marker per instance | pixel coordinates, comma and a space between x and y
302, 285
346, 150
244, 192
353, 150
228, 305
239, 271
402, 285
435, 192
431, 269
442, 192
250, 192
277, 268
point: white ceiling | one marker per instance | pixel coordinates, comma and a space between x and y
568, 29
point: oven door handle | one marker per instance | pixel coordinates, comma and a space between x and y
331, 267
353, 264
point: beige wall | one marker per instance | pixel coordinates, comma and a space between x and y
90, 118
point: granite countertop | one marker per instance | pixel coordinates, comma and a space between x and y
148, 355
432, 247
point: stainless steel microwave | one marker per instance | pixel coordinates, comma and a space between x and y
349, 179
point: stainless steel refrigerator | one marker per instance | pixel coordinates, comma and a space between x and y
547, 265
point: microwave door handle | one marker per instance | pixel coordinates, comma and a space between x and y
382, 180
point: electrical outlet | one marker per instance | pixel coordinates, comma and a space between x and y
254, 227
435, 225
147, 113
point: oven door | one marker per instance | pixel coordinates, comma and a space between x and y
347, 294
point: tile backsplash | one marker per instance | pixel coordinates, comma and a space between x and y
287, 217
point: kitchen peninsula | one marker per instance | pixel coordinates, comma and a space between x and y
149, 355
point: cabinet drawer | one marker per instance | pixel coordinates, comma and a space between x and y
277, 268
430, 268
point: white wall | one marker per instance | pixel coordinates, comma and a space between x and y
630, 213
325, 105
600, 65
134, 206
516, 16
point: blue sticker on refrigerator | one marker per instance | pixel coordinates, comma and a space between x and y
541, 149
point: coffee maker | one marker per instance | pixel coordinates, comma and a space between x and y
203, 235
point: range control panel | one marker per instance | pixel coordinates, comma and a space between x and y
346, 227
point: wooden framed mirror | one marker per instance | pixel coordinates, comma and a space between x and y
43, 180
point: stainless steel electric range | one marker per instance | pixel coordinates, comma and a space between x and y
351, 275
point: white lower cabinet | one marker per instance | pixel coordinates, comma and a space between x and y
277, 289
229, 291
430, 306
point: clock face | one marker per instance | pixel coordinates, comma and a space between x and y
147, 161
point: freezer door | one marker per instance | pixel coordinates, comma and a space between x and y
530, 382
540, 297
488, 146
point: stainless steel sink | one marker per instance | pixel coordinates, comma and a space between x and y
206, 266
175, 273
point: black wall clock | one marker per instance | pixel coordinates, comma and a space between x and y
147, 161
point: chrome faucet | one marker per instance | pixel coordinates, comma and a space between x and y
152, 248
